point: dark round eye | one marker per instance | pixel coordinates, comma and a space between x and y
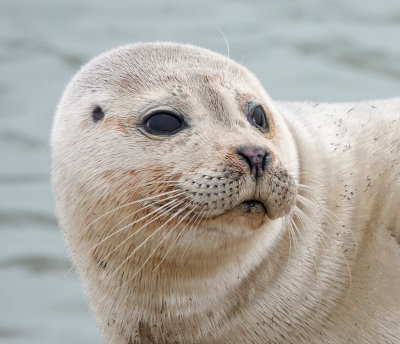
97, 114
256, 115
163, 123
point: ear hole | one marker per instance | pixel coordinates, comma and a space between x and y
97, 114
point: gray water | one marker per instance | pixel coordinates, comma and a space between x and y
301, 50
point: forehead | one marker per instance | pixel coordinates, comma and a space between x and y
167, 74
143, 66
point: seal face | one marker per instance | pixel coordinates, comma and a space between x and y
206, 131
182, 198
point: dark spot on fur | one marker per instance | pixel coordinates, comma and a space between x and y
97, 114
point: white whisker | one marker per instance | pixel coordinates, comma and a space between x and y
158, 245
177, 237
129, 204
146, 224
148, 238
138, 220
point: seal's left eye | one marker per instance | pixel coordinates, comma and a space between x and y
163, 123
256, 116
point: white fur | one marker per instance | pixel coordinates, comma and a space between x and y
327, 272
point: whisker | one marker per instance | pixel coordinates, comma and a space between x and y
159, 244
309, 225
127, 205
286, 224
312, 225
195, 225
226, 40
177, 238
148, 238
138, 220
146, 224
296, 231
295, 240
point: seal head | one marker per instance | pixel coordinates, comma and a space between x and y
164, 151
205, 130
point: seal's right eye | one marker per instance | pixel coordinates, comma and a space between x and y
163, 123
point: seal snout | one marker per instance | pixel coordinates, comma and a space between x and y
257, 158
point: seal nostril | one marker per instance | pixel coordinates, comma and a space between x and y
245, 158
257, 158
266, 161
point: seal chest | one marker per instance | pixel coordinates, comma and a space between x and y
199, 211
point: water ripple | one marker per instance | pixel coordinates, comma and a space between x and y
18, 218
37, 264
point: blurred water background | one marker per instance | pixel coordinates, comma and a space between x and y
301, 50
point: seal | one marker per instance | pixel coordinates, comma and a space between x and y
198, 210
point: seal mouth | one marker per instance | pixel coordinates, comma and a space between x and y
253, 206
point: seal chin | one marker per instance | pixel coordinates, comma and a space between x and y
247, 214
253, 207
240, 220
